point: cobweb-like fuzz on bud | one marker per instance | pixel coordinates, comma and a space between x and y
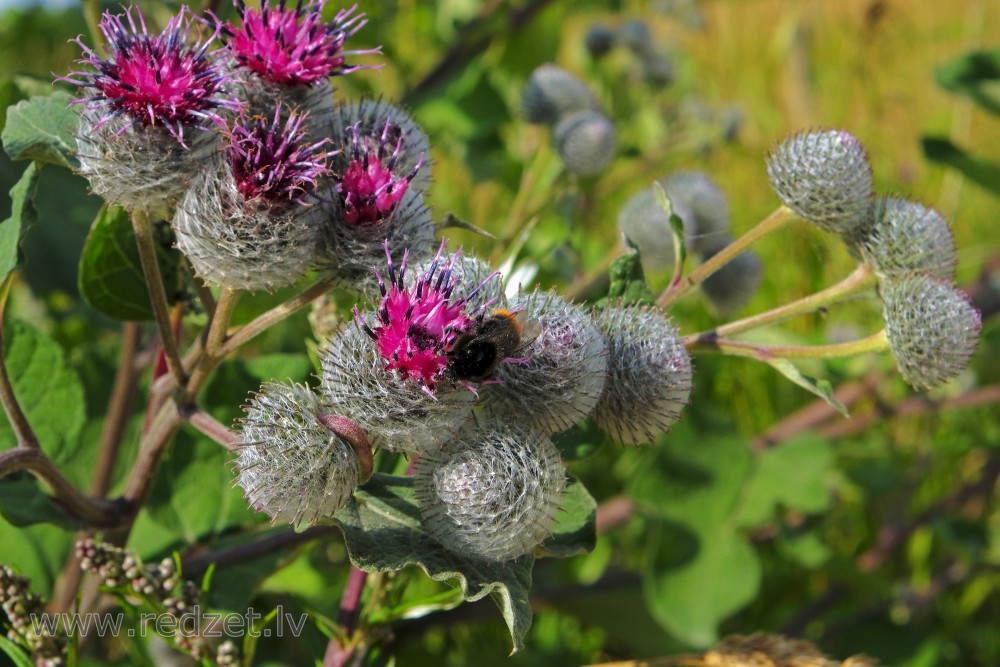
649, 374
369, 120
556, 380
932, 329
492, 493
289, 464
246, 224
694, 191
389, 371
551, 93
586, 142
730, 288
145, 130
906, 237
647, 226
294, 46
825, 178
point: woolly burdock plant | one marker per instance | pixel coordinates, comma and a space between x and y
287, 55
388, 370
932, 329
649, 374
695, 194
374, 208
253, 221
467, 273
370, 119
825, 178
647, 227
295, 461
551, 93
557, 377
492, 492
907, 237
730, 288
146, 128
585, 141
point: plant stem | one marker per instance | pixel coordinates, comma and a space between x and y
270, 318
97, 512
339, 651
214, 429
157, 294
778, 219
875, 343
123, 395
588, 282
219, 325
861, 278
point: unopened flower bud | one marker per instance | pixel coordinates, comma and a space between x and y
730, 288
647, 227
492, 492
296, 462
649, 374
551, 93
556, 379
694, 192
907, 237
585, 141
932, 329
599, 40
825, 178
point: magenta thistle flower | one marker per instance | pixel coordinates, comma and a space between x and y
293, 46
272, 162
420, 323
369, 188
155, 80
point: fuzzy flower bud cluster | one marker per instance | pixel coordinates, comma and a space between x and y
932, 328
583, 136
635, 36
245, 150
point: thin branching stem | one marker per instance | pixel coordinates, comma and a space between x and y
157, 293
266, 320
778, 219
214, 429
862, 278
877, 342
96, 512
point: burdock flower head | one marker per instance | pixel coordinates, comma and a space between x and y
293, 46
249, 223
288, 54
146, 122
390, 372
370, 189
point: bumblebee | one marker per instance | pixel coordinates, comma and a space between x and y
477, 353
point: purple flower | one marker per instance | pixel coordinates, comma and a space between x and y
418, 325
154, 79
272, 162
293, 46
369, 188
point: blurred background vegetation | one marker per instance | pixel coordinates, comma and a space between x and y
899, 554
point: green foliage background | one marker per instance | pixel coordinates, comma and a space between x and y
879, 535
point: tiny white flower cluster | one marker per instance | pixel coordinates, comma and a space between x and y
825, 178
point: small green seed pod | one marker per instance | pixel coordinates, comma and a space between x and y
586, 142
551, 92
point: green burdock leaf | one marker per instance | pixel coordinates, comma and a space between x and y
821, 388
794, 475
984, 173
383, 533
47, 389
975, 75
43, 129
700, 568
111, 278
22, 214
